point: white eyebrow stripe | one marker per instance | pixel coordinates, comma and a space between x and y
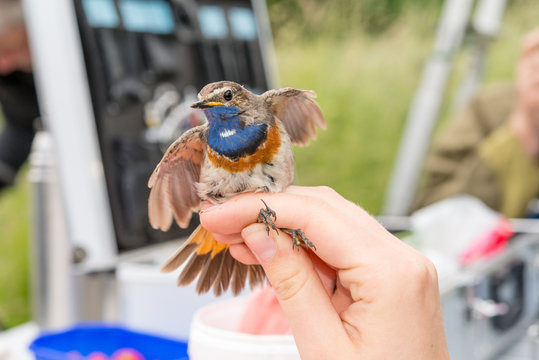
218, 92
226, 133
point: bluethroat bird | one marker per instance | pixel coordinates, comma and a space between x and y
245, 146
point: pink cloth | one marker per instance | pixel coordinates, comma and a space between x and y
264, 315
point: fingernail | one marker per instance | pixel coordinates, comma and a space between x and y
261, 244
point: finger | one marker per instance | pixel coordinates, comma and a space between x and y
228, 238
243, 210
321, 192
327, 275
342, 298
319, 220
300, 293
331, 199
242, 253
327, 197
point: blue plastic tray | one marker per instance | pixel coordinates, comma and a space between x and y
88, 338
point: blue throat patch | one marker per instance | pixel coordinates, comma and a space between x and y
228, 136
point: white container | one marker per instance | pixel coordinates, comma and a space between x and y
149, 300
450, 226
214, 336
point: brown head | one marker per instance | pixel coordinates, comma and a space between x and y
225, 93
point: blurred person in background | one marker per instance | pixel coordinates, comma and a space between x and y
491, 150
18, 99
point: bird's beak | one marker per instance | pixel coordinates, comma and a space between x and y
202, 104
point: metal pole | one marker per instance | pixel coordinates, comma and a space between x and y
64, 97
52, 298
425, 108
486, 24
73, 211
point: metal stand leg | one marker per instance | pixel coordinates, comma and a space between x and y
425, 108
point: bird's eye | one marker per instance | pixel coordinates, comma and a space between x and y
227, 95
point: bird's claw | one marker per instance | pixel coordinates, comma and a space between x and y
265, 215
299, 239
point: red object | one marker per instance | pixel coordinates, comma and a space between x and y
488, 245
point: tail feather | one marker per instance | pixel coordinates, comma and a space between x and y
210, 273
191, 270
225, 273
212, 263
256, 275
217, 285
179, 257
238, 278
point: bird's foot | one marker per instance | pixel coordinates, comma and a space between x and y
265, 215
299, 239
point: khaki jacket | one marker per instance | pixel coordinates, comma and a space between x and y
477, 154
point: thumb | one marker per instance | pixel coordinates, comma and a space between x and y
288, 271
298, 288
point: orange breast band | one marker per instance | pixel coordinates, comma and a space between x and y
264, 154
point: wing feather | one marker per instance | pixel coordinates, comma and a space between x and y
173, 193
298, 112
159, 212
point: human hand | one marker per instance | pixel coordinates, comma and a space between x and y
14, 50
362, 294
524, 120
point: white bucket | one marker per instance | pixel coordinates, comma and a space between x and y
214, 336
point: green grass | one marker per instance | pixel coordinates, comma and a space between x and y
364, 85
14, 238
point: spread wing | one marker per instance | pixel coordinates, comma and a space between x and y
297, 110
173, 193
